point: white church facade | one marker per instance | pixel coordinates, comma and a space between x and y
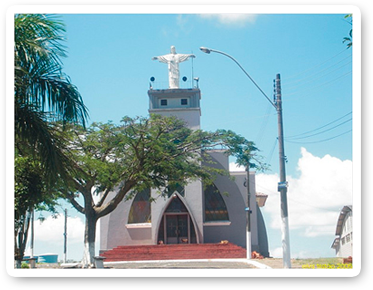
191, 214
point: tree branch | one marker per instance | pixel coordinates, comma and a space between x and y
110, 206
75, 204
103, 197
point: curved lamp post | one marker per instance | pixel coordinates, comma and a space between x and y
282, 185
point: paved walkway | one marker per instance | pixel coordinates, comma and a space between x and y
189, 264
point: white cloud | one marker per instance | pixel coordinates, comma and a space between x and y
233, 19
323, 187
276, 253
183, 26
234, 167
51, 230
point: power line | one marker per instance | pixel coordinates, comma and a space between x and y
316, 75
303, 80
327, 130
264, 124
269, 158
318, 65
319, 141
336, 120
296, 96
321, 85
309, 205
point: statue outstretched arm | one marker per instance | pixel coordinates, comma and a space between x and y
184, 57
161, 58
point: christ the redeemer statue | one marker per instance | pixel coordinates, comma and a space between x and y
173, 59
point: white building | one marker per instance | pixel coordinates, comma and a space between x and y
191, 214
343, 242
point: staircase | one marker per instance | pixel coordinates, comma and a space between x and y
174, 252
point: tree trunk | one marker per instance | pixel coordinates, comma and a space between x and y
89, 240
20, 240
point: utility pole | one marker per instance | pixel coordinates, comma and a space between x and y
65, 238
282, 185
248, 210
32, 234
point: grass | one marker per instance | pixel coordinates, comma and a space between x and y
321, 263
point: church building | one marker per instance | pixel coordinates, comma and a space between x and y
343, 241
191, 214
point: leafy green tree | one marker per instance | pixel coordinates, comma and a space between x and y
31, 193
115, 161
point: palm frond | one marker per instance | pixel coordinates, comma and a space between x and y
53, 91
42, 92
38, 35
38, 77
34, 135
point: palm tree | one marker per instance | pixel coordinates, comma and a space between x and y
43, 94
348, 39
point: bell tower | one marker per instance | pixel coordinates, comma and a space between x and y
181, 103
184, 104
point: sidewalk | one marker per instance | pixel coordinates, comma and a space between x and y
189, 264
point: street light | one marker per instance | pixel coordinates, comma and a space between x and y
282, 185
205, 49
209, 50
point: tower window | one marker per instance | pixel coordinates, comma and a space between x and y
184, 101
163, 102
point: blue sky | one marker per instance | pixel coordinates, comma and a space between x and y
109, 60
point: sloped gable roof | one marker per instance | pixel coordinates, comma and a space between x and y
345, 210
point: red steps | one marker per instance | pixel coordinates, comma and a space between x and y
174, 252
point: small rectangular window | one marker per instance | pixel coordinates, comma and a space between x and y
163, 102
184, 101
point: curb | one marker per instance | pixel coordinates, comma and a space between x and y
248, 261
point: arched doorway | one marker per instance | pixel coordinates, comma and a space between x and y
176, 226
